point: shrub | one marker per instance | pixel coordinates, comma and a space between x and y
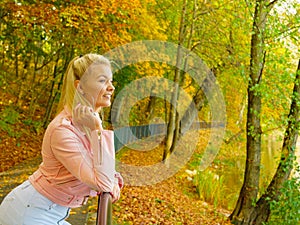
8, 118
286, 211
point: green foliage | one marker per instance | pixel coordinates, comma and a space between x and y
195, 160
8, 118
2, 80
36, 126
209, 187
287, 209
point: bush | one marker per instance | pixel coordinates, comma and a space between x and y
8, 118
286, 211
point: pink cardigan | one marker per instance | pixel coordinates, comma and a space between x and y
71, 170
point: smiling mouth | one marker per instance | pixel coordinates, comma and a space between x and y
106, 96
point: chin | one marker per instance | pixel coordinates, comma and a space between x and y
103, 105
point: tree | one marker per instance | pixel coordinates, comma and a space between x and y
262, 210
171, 130
248, 210
38, 39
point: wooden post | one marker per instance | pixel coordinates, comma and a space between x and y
104, 211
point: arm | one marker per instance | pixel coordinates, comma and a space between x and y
73, 152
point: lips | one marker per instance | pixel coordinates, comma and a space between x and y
106, 96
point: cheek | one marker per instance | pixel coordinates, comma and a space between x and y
99, 91
95, 89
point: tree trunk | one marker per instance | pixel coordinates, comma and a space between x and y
53, 94
34, 85
152, 102
192, 112
262, 210
173, 106
172, 118
184, 123
249, 191
178, 121
55, 91
151, 107
23, 86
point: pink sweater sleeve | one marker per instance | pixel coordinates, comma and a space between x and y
96, 168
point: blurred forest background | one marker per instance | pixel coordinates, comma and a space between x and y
252, 48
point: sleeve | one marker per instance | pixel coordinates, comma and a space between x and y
94, 169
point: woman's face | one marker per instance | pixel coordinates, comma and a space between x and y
97, 86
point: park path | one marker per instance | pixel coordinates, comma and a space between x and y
19, 173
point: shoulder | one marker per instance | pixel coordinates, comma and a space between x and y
62, 127
62, 136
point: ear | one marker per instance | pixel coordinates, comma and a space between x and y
76, 83
78, 87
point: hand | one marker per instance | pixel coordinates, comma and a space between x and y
84, 116
120, 180
115, 193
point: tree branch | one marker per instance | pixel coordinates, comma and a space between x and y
271, 4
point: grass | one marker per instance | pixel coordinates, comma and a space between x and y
209, 187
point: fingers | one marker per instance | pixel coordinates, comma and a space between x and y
116, 193
85, 116
82, 110
120, 180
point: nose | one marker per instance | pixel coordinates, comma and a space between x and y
110, 86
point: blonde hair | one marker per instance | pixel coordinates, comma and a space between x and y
75, 71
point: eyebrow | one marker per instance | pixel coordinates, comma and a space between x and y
105, 76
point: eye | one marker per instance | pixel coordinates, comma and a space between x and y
102, 80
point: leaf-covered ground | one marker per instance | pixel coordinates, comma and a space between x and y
172, 201
18, 139
166, 203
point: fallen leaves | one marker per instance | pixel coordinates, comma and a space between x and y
172, 201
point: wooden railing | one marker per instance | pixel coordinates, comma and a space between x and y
104, 212
130, 134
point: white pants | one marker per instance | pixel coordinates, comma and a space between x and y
24, 205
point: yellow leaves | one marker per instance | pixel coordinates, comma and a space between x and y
152, 69
162, 203
148, 26
101, 24
16, 149
90, 30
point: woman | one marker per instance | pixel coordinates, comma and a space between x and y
78, 155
